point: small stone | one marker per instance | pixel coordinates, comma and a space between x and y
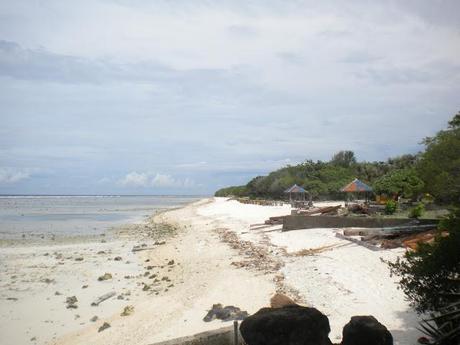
84, 287
128, 310
94, 318
101, 252
106, 276
79, 259
57, 293
171, 262
146, 287
118, 258
71, 302
104, 326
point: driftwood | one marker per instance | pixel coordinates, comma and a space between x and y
102, 298
144, 247
321, 210
388, 231
275, 220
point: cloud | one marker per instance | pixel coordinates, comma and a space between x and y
155, 180
11, 176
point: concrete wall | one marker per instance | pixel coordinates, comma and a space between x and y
295, 222
222, 336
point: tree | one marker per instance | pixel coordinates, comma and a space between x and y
344, 159
439, 166
403, 182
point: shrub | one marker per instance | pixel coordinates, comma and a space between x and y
417, 211
390, 207
430, 278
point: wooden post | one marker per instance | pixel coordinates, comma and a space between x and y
235, 332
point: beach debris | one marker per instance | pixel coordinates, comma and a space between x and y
366, 330
128, 310
106, 276
102, 298
11, 299
104, 326
48, 281
329, 210
286, 325
84, 287
118, 258
94, 318
146, 287
171, 262
280, 300
226, 313
80, 258
100, 252
145, 247
256, 257
71, 302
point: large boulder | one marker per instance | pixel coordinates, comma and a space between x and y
289, 325
365, 330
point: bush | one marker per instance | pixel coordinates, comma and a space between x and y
417, 211
433, 268
390, 207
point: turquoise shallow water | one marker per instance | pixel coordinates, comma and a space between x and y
78, 215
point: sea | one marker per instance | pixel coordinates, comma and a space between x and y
70, 215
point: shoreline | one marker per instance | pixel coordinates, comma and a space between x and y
213, 257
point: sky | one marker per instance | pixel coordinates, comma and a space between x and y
185, 97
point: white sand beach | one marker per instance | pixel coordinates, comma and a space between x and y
210, 259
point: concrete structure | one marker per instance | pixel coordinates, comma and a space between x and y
296, 222
221, 336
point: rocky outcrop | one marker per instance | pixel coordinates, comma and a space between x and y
289, 325
366, 330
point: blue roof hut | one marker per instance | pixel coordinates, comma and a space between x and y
296, 193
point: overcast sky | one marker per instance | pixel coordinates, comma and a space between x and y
184, 97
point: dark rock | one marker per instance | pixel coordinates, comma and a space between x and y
225, 313
289, 325
71, 302
118, 258
104, 326
171, 262
106, 276
366, 330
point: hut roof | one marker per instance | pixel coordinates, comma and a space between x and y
295, 189
356, 186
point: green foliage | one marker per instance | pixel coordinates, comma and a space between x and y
431, 273
390, 207
439, 166
404, 182
448, 331
344, 159
417, 211
238, 191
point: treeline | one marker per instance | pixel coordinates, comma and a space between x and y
435, 171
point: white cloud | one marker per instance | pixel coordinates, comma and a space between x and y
135, 179
158, 180
10, 175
